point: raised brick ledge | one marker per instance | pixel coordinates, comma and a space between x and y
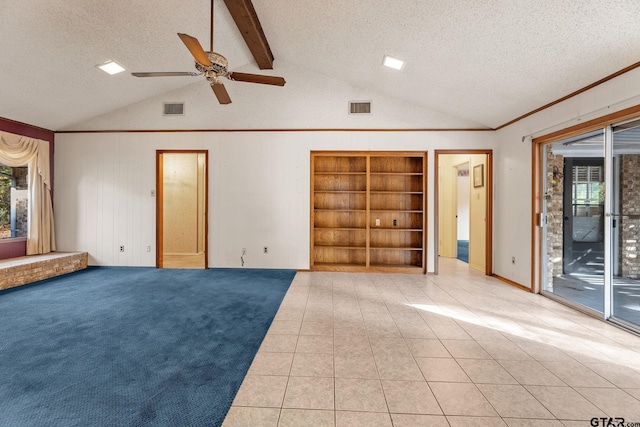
28, 269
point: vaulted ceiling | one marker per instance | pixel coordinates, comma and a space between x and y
484, 62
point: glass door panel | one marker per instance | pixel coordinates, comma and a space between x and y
625, 223
574, 231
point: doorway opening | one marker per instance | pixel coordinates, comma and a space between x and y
181, 209
463, 211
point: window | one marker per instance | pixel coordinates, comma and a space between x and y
14, 201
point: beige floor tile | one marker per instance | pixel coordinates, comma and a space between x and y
465, 349
504, 350
565, 403
317, 315
394, 367
531, 372
289, 314
514, 401
418, 329
619, 375
306, 418
271, 364
382, 329
427, 348
458, 421
309, 393
355, 366
482, 333
314, 344
316, 328
439, 369
576, 374
543, 352
351, 345
408, 420
362, 419
434, 319
285, 327
567, 423
259, 390
359, 395
486, 371
274, 343
519, 422
635, 392
389, 346
349, 328
252, 417
449, 332
614, 402
461, 399
312, 365
410, 397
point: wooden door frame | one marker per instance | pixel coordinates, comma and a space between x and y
488, 182
160, 198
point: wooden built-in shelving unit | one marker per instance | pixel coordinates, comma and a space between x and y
368, 211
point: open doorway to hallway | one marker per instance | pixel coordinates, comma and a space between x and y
181, 184
463, 213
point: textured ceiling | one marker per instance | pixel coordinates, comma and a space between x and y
483, 61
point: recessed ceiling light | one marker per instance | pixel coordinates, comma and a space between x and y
394, 63
111, 67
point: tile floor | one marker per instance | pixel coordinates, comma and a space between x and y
457, 349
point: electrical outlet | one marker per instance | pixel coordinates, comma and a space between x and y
513, 260
121, 248
377, 222
148, 248
153, 193
395, 222
266, 250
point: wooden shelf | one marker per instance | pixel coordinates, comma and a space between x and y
340, 247
381, 248
397, 173
368, 211
414, 230
341, 173
340, 210
392, 210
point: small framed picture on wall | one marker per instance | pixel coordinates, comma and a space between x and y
478, 176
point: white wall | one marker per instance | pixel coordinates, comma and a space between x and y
513, 167
258, 190
259, 181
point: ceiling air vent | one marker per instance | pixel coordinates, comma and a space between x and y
359, 107
173, 109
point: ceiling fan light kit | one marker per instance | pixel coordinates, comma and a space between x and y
212, 66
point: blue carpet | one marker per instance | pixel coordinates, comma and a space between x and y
124, 346
463, 250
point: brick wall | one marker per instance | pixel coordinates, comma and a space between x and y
555, 223
628, 262
24, 270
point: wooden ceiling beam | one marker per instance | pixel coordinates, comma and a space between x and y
248, 23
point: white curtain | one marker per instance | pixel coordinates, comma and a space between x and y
18, 150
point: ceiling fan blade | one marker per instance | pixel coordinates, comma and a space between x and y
166, 74
196, 49
221, 93
257, 78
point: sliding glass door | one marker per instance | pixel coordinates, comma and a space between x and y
625, 223
591, 222
574, 208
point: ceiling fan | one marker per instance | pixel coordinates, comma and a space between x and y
213, 66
